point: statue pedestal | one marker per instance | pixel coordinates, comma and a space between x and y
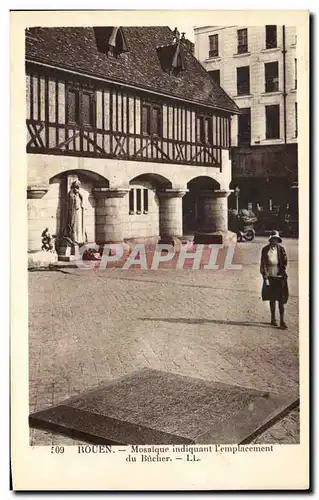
225, 238
68, 253
41, 259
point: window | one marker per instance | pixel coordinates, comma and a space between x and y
145, 201
271, 37
272, 122
242, 41
87, 111
146, 120
243, 84
151, 119
81, 107
131, 202
213, 45
244, 127
137, 203
204, 129
110, 40
73, 106
271, 77
172, 57
296, 119
215, 75
295, 74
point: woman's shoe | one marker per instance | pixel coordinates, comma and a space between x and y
283, 326
273, 322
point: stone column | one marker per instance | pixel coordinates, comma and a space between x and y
215, 224
35, 207
219, 210
171, 215
36, 256
110, 215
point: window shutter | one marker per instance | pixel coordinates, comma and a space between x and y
156, 121
146, 126
87, 109
73, 104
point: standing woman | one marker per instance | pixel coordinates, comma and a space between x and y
273, 270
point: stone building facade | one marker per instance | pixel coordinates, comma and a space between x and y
132, 115
257, 67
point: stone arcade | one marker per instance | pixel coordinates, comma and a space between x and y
131, 114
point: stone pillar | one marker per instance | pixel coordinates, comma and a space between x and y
171, 215
36, 256
110, 215
219, 210
215, 224
35, 206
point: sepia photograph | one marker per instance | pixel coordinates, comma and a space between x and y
163, 253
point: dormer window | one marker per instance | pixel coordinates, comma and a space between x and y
110, 40
172, 57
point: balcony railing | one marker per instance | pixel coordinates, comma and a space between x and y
242, 49
271, 44
213, 53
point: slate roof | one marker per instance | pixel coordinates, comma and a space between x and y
75, 49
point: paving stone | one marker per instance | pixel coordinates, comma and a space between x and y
154, 407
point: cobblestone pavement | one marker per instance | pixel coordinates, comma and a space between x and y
88, 327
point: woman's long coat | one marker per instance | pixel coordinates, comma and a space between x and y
282, 265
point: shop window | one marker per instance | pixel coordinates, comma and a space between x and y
295, 67
272, 122
242, 41
271, 77
296, 119
243, 80
271, 37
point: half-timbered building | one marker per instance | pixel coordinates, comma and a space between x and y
132, 114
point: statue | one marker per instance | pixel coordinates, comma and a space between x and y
47, 241
75, 223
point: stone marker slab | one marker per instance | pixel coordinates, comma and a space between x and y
156, 407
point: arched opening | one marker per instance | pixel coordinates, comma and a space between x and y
156, 180
143, 206
57, 200
193, 203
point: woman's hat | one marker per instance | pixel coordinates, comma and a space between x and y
275, 236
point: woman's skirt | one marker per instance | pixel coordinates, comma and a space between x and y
277, 290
